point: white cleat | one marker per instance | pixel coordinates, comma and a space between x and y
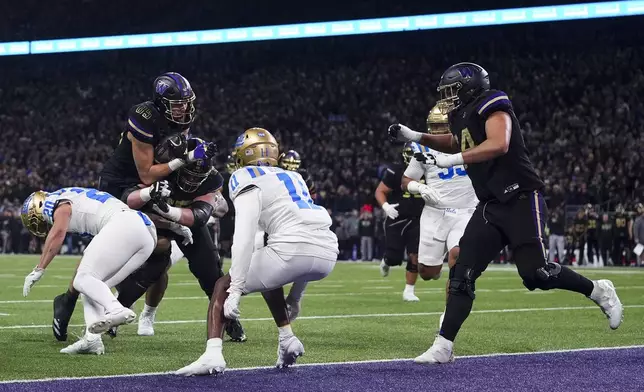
113, 319
211, 362
605, 296
146, 325
440, 352
410, 297
288, 351
384, 269
85, 346
293, 309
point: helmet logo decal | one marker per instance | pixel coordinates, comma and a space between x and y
162, 86
261, 134
466, 72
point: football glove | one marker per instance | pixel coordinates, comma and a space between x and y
446, 161
203, 151
401, 133
231, 305
390, 210
31, 279
159, 191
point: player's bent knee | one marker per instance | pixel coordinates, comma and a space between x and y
429, 272
461, 281
393, 261
412, 267
543, 278
163, 245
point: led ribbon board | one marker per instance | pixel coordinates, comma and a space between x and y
330, 29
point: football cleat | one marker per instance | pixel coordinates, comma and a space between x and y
210, 362
146, 325
86, 345
605, 296
384, 269
440, 352
410, 297
288, 350
112, 332
64, 305
112, 319
235, 331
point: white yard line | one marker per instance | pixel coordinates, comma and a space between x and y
350, 316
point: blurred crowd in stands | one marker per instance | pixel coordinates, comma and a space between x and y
577, 88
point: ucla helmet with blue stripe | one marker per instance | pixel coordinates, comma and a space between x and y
256, 147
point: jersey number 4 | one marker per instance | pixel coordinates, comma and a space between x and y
298, 192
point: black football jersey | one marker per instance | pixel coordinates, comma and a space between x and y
409, 205
593, 222
147, 125
505, 176
308, 180
620, 224
579, 226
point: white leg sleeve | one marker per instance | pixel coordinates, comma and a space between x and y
92, 312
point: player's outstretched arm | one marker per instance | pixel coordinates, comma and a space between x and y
498, 130
248, 206
196, 215
443, 143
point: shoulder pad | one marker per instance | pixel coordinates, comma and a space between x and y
142, 122
493, 101
242, 179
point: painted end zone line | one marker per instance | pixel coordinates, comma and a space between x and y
464, 357
348, 316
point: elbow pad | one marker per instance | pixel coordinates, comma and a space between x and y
202, 212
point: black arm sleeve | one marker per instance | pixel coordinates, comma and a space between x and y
392, 178
201, 211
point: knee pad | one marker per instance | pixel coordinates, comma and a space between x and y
542, 278
393, 258
461, 281
411, 267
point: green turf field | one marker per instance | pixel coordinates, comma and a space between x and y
352, 315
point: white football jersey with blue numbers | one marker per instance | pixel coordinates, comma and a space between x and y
91, 209
288, 213
453, 184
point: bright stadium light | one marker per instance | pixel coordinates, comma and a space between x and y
328, 29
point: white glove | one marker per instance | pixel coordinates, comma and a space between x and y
445, 161
231, 306
390, 210
31, 280
183, 231
429, 194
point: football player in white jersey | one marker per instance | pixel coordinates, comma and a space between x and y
301, 248
122, 240
441, 224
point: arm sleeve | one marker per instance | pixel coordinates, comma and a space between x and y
140, 123
495, 101
391, 179
248, 206
416, 168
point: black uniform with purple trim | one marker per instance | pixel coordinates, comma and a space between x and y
146, 124
403, 232
511, 209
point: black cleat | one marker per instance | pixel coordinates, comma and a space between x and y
112, 332
64, 305
235, 331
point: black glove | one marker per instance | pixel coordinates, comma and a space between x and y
393, 132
